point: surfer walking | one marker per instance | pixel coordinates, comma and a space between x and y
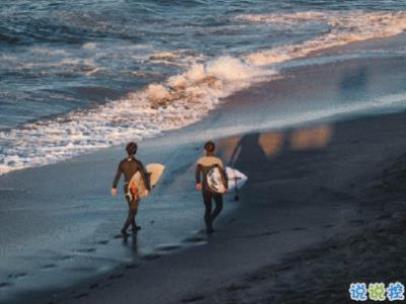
203, 166
129, 167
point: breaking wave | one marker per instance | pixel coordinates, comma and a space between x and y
184, 98
181, 100
344, 28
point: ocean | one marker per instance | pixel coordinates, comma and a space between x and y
79, 76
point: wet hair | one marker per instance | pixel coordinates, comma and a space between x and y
210, 146
131, 148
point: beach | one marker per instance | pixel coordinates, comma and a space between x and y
310, 222
306, 99
316, 188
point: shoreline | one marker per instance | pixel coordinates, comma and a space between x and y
88, 201
286, 69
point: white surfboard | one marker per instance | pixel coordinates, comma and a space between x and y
235, 179
136, 184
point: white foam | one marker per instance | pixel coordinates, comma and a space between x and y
89, 45
166, 55
231, 69
345, 27
181, 58
157, 92
181, 100
48, 52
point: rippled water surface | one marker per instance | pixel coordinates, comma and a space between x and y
77, 76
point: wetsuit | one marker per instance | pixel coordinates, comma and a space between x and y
203, 166
128, 167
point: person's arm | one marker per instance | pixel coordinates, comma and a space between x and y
198, 175
116, 180
145, 176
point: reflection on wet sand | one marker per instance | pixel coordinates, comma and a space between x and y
134, 243
272, 143
310, 138
228, 147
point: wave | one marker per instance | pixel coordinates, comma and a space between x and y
344, 28
69, 27
184, 98
181, 100
54, 61
177, 58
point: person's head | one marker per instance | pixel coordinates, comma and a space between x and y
210, 147
131, 148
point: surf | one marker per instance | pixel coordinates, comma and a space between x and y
344, 28
183, 98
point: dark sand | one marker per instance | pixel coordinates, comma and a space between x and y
324, 205
365, 171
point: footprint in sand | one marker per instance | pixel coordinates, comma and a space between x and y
5, 284
81, 295
387, 216
261, 234
17, 275
257, 278
116, 276
193, 299
63, 258
82, 269
94, 286
151, 256
106, 285
357, 222
168, 248
195, 239
235, 287
132, 266
86, 250
48, 266
266, 233
103, 242
125, 237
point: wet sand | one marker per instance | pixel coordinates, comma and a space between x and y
323, 204
359, 179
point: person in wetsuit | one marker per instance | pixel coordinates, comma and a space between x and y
128, 167
203, 166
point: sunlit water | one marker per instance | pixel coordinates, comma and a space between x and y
77, 76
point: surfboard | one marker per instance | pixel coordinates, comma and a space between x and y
235, 179
136, 185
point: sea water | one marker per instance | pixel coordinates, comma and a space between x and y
79, 76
